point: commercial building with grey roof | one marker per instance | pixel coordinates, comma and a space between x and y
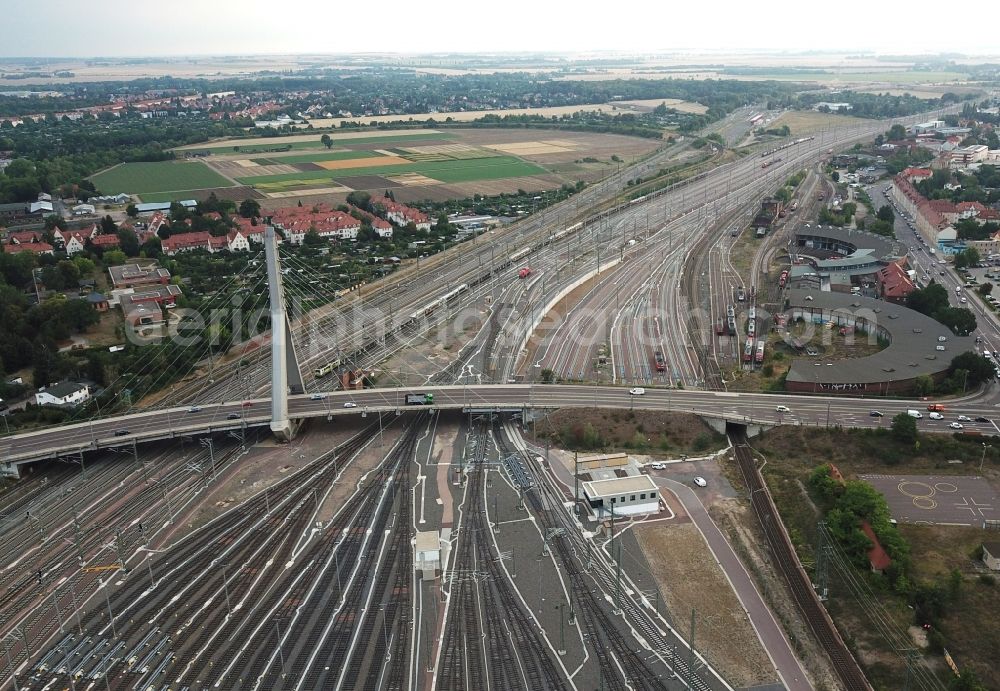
836, 259
918, 345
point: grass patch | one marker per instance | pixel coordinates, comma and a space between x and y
968, 625
165, 176
495, 168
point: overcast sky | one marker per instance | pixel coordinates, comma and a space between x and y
205, 27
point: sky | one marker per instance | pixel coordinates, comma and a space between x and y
60, 28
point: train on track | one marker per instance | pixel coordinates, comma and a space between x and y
432, 306
748, 350
775, 150
759, 355
659, 362
326, 369
783, 279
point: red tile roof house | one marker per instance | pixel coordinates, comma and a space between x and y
877, 557
106, 241
33, 247
894, 283
401, 214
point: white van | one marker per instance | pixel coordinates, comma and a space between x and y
915, 414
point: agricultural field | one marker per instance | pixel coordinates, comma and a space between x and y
418, 164
166, 176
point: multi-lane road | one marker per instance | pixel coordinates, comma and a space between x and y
736, 407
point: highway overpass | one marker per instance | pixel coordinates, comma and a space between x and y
757, 409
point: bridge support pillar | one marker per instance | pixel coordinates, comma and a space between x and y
285, 373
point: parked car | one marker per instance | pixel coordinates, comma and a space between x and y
700, 481
658, 466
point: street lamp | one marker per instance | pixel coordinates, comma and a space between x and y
983, 458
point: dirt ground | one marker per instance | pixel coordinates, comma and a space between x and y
734, 519
579, 144
661, 434
690, 580
804, 123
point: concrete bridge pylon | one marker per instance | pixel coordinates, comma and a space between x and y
286, 376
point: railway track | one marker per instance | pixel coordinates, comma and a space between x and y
844, 664
138, 608
489, 642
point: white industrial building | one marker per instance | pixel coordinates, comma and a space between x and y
627, 496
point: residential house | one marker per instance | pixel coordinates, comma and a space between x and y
401, 214
98, 302
108, 241
63, 393
33, 247
878, 559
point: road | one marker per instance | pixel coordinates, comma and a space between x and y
736, 407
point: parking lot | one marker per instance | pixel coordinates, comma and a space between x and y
938, 500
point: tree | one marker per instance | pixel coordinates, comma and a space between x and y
312, 238
885, 214
928, 300
327, 141
108, 225
835, 176
362, 200
985, 289
904, 429
132, 210
979, 368
128, 241
961, 321
967, 257
114, 258
249, 208
896, 133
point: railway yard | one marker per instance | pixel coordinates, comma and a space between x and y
439, 549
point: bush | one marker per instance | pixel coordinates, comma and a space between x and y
987, 579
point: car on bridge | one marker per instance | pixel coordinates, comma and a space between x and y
637, 391
957, 425
194, 409
233, 416
983, 419
875, 413
782, 409
317, 397
350, 404
964, 418
936, 416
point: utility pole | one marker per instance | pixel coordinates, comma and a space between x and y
618, 581
576, 481
118, 549
691, 651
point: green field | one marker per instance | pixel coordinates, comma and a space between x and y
494, 168
166, 176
